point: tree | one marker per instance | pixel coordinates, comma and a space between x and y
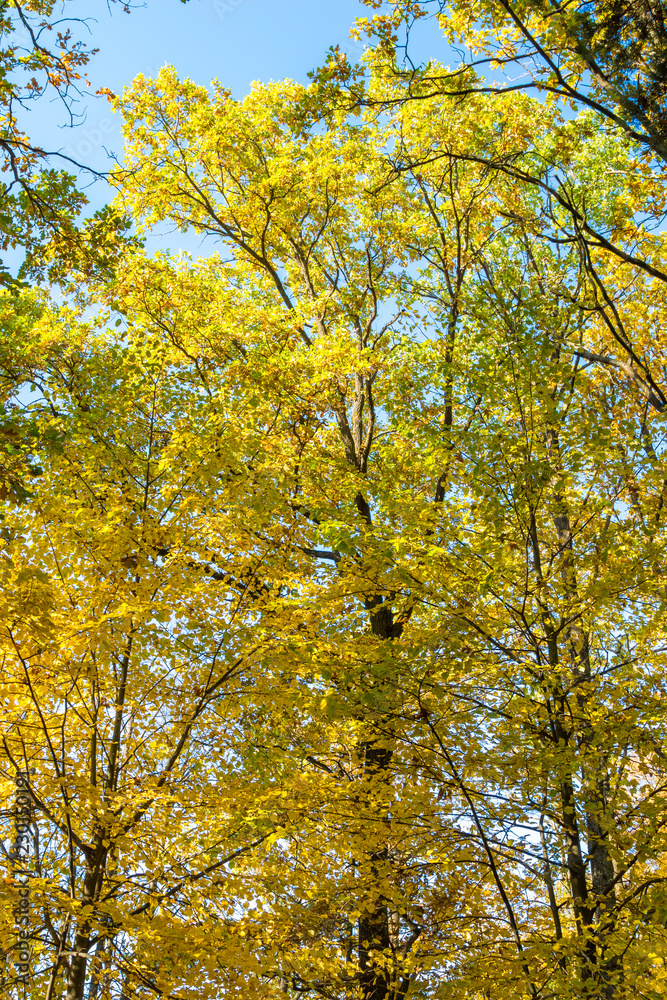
42, 204
232, 171
127, 649
604, 57
41, 201
338, 651
608, 56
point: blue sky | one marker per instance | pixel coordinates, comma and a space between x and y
235, 41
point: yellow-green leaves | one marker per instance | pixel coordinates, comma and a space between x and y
336, 626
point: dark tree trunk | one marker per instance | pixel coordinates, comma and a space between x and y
374, 923
374, 980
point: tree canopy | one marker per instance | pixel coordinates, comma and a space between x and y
333, 620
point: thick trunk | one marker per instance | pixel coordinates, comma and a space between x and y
602, 879
97, 856
78, 963
373, 927
374, 922
374, 980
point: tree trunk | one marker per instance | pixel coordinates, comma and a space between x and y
78, 963
375, 981
76, 975
374, 923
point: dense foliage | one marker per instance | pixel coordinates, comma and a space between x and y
333, 620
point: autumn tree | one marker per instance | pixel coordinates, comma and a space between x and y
604, 58
607, 56
470, 270
128, 638
44, 231
336, 636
